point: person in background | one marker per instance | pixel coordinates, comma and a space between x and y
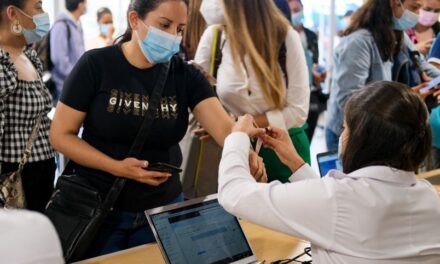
309, 39
258, 76
28, 238
67, 42
373, 37
23, 98
283, 6
374, 211
428, 26
106, 30
108, 93
409, 65
194, 30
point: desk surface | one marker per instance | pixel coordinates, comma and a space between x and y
267, 244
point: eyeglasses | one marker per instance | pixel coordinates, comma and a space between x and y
306, 253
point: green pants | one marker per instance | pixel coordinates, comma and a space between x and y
277, 170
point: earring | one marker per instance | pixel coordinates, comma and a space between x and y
16, 28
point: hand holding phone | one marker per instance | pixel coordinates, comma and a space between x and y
164, 167
432, 84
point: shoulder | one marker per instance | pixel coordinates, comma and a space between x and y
33, 57
8, 73
310, 33
361, 39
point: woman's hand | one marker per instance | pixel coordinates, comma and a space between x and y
246, 124
279, 140
418, 88
137, 170
257, 168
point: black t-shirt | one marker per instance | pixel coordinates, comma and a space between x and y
115, 96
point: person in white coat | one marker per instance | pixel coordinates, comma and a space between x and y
374, 211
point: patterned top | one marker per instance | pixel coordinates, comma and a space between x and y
20, 104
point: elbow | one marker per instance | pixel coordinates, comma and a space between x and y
53, 139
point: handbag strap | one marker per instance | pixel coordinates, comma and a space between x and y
141, 136
29, 144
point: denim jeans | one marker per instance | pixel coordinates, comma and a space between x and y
123, 230
331, 139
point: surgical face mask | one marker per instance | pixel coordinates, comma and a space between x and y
159, 46
212, 12
406, 21
42, 27
104, 29
297, 19
427, 18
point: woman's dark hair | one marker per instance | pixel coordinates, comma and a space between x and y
103, 11
387, 125
72, 5
142, 8
17, 3
377, 17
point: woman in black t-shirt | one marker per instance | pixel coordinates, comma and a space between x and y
108, 94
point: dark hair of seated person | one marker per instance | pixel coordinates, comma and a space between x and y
387, 125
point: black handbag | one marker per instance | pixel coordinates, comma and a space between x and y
77, 209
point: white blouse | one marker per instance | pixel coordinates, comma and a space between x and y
373, 215
233, 85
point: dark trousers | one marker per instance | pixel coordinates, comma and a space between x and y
38, 180
123, 230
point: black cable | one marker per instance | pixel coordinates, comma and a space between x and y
307, 251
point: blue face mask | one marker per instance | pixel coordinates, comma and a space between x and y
297, 19
42, 27
159, 46
104, 29
406, 21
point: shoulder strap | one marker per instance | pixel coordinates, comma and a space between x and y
29, 144
216, 51
141, 136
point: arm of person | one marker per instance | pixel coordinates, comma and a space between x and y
434, 55
204, 52
59, 46
425, 66
9, 81
353, 68
301, 209
296, 108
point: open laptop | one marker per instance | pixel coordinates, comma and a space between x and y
199, 231
328, 161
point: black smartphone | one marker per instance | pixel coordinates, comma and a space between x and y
164, 167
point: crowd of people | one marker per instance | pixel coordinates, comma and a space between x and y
237, 67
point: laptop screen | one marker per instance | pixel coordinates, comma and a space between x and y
200, 233
328, 161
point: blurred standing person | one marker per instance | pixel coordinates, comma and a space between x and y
23, 98
106, 30
194, 30
372, 38
67, 42
427, 28
309, 39
262, 72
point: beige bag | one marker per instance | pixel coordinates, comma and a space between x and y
11, 187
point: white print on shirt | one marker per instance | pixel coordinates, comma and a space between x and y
137, 104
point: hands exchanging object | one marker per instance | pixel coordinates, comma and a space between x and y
274, 138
